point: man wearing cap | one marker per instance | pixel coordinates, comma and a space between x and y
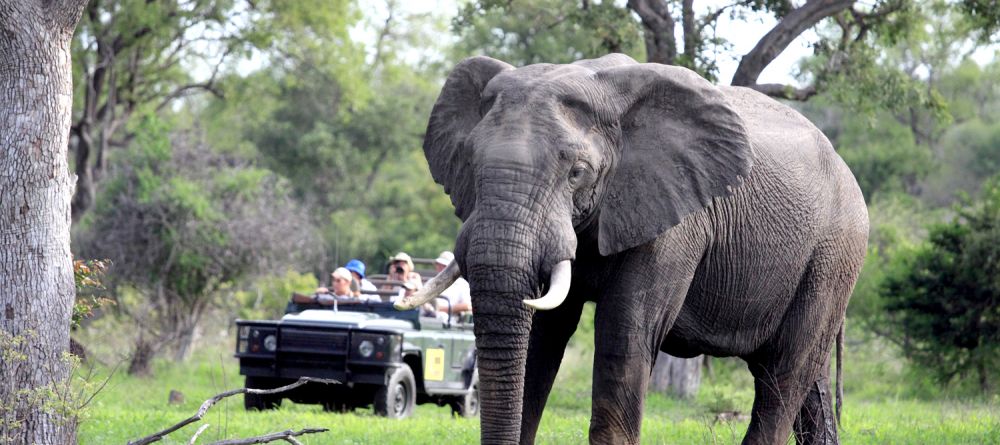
401, 269
457, 293
339, 290
360, 284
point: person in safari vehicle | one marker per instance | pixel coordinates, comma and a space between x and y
401, 270
339, 290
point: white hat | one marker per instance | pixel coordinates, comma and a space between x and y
402, 256
445, 258
341, 272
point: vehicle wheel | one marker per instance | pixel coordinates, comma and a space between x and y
259, 402
397, 399
468, 405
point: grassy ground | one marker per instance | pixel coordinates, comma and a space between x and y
885, 404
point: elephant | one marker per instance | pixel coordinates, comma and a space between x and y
700, 219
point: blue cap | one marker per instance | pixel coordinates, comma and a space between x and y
356, 266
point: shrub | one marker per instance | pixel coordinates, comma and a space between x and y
945, 296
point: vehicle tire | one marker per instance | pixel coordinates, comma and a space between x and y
397, 399
259, 402
468, 405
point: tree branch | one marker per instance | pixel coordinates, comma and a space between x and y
208, 85
779, 37
782, 91
711, 17
212, 401
287, 435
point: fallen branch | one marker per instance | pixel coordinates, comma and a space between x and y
287, 435
212, 401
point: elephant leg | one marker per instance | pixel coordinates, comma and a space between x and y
787, 399
630, 324
815, 424
550, 332
777, 399
791, 371
626, 344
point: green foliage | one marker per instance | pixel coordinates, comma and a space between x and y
265, 298
981, 141
63, 389
983, 14
549, 31
865, 82
945, 295
350, 148
882, 154
183, 224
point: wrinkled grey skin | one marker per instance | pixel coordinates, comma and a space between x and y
701, 219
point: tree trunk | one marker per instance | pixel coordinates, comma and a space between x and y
185, 335
36, 266
658, 26
675, 376
142, 357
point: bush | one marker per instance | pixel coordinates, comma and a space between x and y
945, 295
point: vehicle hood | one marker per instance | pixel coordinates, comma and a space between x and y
345, 319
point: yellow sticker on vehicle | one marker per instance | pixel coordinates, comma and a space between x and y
434, 368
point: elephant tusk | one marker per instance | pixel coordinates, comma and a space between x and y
558, 288
432, 289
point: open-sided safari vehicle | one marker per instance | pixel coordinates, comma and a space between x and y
383, 357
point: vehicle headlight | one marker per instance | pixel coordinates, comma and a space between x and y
366, 348
270, 343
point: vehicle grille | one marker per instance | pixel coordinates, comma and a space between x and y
305, 340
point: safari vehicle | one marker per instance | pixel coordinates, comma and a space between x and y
389, 359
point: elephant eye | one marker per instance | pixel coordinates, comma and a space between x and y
578, 173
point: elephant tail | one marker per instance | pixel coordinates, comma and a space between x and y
840, 370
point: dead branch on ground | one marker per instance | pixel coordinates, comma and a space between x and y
285, 435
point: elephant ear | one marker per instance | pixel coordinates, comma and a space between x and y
455, 114
682, 144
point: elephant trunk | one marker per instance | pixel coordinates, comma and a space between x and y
507, 261
502, 349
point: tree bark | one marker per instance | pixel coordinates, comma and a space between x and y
661, 45
679, 377
36, 270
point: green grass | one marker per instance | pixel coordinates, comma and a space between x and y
886, 403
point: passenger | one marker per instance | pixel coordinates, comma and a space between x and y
360, 284
401, 269
339, 290
457, 293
